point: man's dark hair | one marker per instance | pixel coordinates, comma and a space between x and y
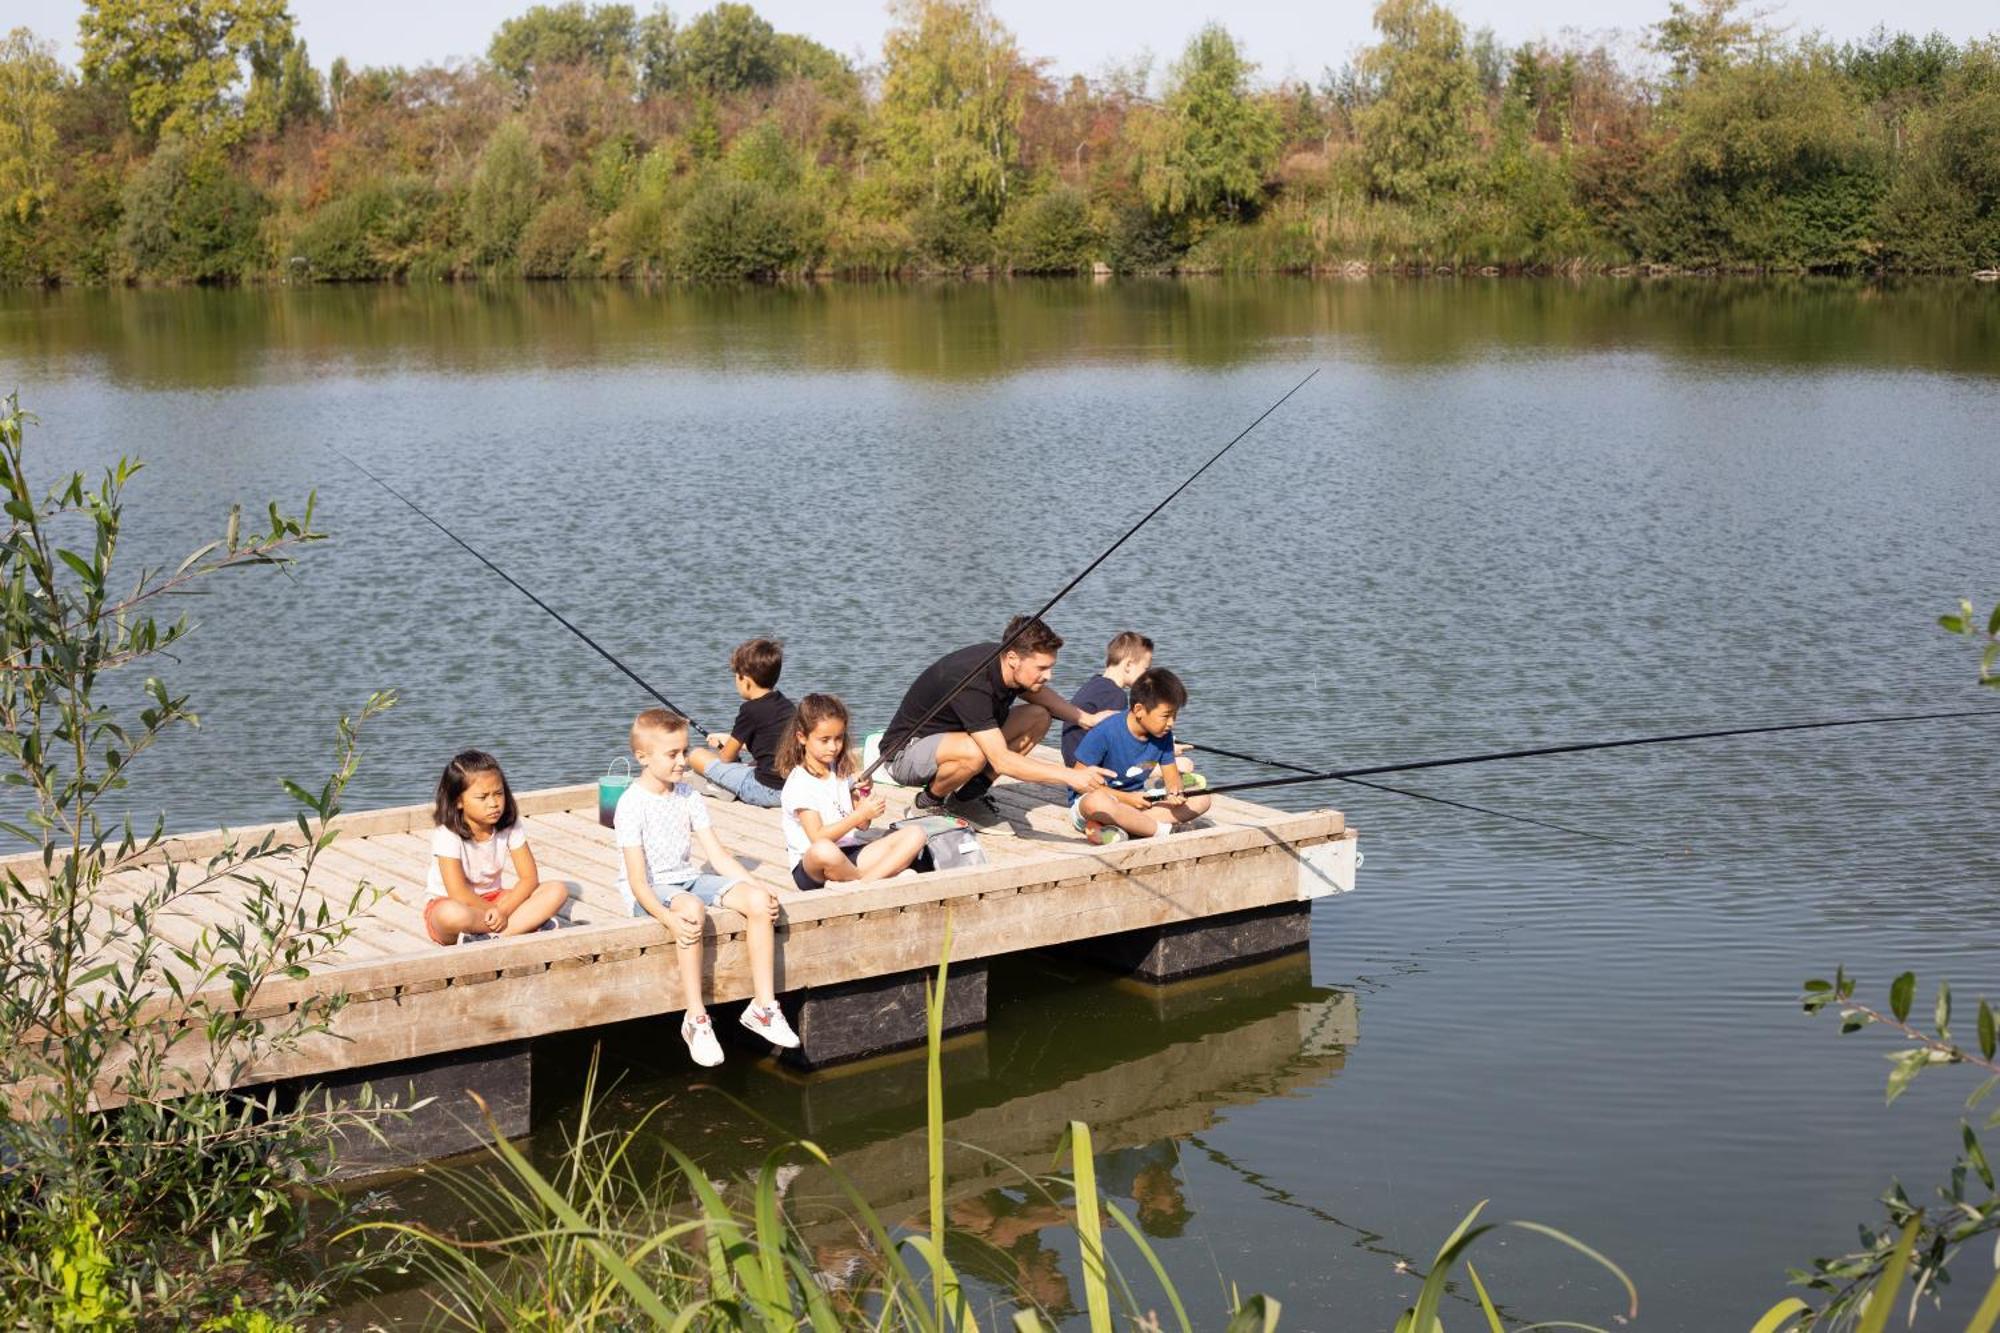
761, 660
1035, 637
1159, 686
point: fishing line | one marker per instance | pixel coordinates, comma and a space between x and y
562, 620
1348, 774
890, 752
1439, 800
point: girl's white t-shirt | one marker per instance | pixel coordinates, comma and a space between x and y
481, 862
827, 797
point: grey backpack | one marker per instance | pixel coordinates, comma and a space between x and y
951, 841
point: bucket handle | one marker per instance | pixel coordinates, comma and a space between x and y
627, 774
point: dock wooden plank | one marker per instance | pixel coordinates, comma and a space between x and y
409, 997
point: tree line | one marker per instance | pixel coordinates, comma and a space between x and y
204, 145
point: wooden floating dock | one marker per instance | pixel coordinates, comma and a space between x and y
851, 959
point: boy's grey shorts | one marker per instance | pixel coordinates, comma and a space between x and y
916, 763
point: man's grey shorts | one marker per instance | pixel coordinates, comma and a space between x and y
916, 763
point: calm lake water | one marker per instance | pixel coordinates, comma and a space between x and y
1506, 513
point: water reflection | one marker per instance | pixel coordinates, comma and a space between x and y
216, 339
1156, 1067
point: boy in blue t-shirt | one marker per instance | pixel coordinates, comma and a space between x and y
1128, 657
1133, 746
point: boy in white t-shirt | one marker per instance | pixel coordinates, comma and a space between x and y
658, 825
822, 824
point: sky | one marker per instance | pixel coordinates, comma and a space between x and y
1285, 37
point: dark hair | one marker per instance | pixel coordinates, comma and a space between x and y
657, 719
458, 775
759, 659
1035, 637
806, 717
1159, 686
1126, 645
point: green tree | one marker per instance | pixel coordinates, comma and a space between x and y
285, 89
1212, 144
188, 217
727, 49
952, 99
181, 62
655, 40
1767, 164
1943, 211
555, 36
1416, 133
136, 1195
1703, 37
1051, 232
31, 88
736, 229
505, 192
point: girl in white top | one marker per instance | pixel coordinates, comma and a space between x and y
823, 824
478, 832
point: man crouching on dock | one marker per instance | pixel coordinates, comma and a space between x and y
950, 743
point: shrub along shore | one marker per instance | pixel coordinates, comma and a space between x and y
593, 141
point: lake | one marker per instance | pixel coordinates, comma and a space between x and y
1506, 513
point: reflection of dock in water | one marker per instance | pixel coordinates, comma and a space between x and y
1159, 1064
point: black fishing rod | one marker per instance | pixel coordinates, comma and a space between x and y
1426, 796
561, 619
1348, 774
890, 752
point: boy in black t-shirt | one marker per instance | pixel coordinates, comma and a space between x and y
760, 726
1128, 657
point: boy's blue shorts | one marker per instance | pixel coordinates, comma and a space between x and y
708, 888
741, 781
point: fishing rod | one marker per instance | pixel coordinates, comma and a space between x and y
1426, 796
890, 752
561, 619
1348, 774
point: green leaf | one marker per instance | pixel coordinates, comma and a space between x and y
1908, 1065
1943, 1012
1993, 621
1952, 623
1259, 1314
1986, 1030
1901, 991
1493, 1324
1976, 1155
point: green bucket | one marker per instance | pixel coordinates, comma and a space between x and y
609, 788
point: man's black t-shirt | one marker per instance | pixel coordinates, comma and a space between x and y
981, 705
760, 727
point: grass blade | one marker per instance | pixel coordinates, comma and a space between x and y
1138, 1238
1988, 1313
1089, 1226
1883, 1298
1493, 1323
1780, 1315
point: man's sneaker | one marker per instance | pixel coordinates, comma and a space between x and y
769, 1023
715, 791
927, 802
699, 1034
983, 814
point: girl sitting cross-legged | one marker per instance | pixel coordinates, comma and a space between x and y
478, 835
823, 824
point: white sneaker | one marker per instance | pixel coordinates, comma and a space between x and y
768, 1023
699, 1034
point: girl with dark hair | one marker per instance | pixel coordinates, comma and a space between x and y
823, 824
478, 833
